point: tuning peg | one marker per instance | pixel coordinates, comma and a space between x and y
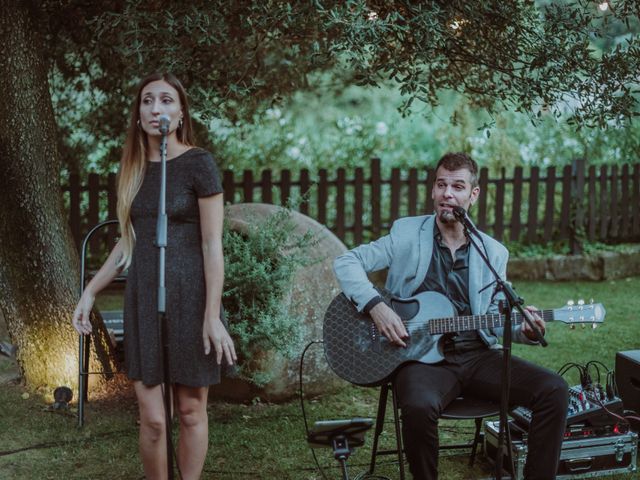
571, 303
591, 301
594, 326
572, 326
582, 325
581, 302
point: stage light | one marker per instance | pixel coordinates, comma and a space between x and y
62, 397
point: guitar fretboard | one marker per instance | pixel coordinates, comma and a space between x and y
475, 322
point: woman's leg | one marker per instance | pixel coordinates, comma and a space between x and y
194, 430
153, 446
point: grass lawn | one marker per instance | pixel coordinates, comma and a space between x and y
267, 441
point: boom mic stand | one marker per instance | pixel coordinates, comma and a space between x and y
512, 300
161, 243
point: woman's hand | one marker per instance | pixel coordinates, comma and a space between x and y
82, 313
214, 332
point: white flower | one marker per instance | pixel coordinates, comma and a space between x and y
294, 152
381, 128
273, 113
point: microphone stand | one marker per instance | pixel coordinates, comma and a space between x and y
512, 300
163, 322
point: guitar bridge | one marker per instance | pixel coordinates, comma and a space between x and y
374, 335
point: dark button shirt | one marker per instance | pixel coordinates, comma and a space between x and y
450, 277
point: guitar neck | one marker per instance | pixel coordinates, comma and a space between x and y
475, 322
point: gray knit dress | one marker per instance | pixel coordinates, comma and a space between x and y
190, 176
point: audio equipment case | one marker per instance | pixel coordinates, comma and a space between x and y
580, 458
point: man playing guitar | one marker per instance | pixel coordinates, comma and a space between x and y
431, 253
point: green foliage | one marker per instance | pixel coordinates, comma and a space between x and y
232, 56
259, 269
345, 128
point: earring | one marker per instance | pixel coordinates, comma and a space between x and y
180, 123
138, 123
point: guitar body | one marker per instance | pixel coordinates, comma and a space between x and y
359, 353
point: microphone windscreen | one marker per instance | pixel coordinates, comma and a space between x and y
164, 123
459, 211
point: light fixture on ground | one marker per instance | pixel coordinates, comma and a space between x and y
62, 396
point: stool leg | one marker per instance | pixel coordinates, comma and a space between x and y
476, 440
399, 445
382, 409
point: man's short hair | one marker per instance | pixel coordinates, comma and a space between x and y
457, 160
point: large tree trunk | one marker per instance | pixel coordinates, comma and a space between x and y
38, 261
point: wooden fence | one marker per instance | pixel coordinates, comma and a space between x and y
573, 203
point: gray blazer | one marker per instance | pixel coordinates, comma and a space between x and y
406, 252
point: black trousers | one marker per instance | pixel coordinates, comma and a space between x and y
425, 390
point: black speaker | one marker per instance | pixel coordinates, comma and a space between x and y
628, 379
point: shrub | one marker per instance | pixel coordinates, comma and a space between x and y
259, 268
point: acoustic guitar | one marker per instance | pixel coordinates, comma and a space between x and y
359, 353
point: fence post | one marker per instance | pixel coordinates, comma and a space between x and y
229, 186
482, 201
265, 185
592, 213
247, 186
549, 212
498, 226
285, 187
74, 208
358, 190
304, 191
614, 232
516, 196
396, 187
576, 222
532, 214
635, 203
323, 196
413, 191
376, 193
625, 232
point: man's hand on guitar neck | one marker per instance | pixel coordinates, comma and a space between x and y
532, 313
389, 324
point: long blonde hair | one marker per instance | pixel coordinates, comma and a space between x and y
134, 156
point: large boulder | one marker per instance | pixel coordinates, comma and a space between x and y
311, 292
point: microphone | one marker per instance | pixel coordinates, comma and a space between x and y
461, 215
164, 124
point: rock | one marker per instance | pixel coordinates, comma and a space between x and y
313, 289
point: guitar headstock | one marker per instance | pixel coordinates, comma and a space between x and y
580, 312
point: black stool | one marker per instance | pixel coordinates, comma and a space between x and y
460, 409
342, 436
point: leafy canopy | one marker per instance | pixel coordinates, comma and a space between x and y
522, 55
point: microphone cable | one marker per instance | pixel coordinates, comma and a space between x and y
304, 413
